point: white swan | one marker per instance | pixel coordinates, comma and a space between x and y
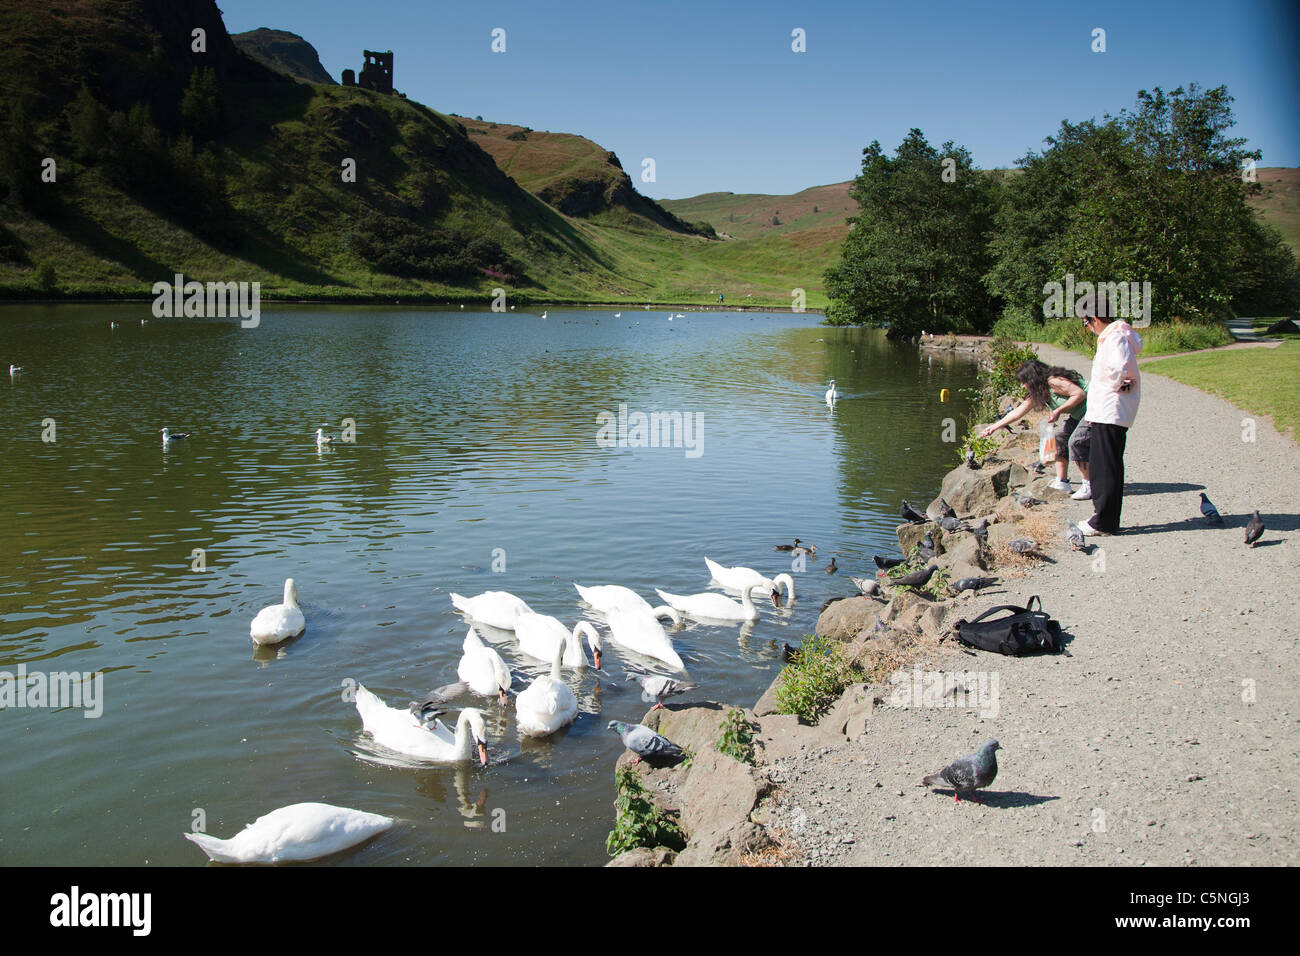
495, 608
547, 704
279, 622
614, 597
400, 730
539, 634
302, 831
482, 668
642, 632
738, 578
715, 607
322, 438
831, 394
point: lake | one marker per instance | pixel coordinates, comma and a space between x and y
476, 466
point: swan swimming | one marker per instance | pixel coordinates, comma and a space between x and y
641, 632
279, 622
402, 731
831, 394
547, 704
483, 669
539, 634
614, 597
301, 831
495, 608
715, 607
747, 579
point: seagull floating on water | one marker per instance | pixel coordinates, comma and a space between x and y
322, 439
169, 436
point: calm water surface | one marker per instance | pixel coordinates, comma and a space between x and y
474, 432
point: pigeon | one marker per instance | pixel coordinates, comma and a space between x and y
946, 509
1021, 545
433, 704
645, 743
656, 687
911, 515
917, 579
1027, 500
1074, 535
952, 524
885, 564
868, 586
1211, 513
968, 774
972, 584
926, 548
831, 568
1254, 530
787, 547
981, 532
1037, 468
970, 460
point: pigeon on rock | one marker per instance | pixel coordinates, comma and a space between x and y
645, 743
1211, 513
885, 564
657, 688
911, 515
972, 584
968, 774
1254, 529
952, 524
917, 579
926, 548
868, 586
946, 509
1027, 500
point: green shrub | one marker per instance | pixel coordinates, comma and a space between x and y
45, 277
1183, 337
737, 739
816, 678
640, 822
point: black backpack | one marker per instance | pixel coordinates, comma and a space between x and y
1023, 631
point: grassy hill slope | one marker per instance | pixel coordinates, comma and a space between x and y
286, 52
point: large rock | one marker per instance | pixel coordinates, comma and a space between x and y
695, 728
964, 552
767, 703
717, 799
845, 619
973, 492
850, 713
910, 535
932, 619
644, 856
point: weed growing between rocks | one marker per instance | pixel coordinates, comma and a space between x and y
815, 680
737, 740
640, 822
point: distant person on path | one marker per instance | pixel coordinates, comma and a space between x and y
1116, 390
1064, 392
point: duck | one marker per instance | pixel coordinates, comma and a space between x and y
538, 635
482, 669
301, 831
831, 394
495, 608
715, 607
788, 547
169, 436
641, 632
612, 597
279, 622
547, 704
405, 733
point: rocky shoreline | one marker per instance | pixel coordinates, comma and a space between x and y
731, 812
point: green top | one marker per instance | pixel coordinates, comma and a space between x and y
1077, 412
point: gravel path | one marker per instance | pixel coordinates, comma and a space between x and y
1167, 735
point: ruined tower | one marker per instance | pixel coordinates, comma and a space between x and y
377, 74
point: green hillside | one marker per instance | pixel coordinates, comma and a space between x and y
286, 52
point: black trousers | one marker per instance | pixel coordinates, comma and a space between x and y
1106, 474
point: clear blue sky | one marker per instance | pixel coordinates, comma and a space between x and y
713, 92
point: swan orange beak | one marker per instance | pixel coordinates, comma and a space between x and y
596, 654
482, 753
776, 598
501, 693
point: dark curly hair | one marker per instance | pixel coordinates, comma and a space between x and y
1033, 375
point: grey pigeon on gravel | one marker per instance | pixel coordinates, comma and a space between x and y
911, 515
434, 702
657, 688
1027, 500
1211, 513
917, 579
1074, 535
968, 774
886, 563
972, 584
1254, 529
952, 524
645, 743
1021, 545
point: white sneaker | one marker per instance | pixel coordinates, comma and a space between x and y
1088, 529
1084, 492
1060, 484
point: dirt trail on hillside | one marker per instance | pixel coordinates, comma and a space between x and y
1166, 735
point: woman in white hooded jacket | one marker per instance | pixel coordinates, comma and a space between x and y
1114, 392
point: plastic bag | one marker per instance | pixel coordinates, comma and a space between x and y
1046, 442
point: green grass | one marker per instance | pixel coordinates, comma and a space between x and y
1166, 338
1261, 325
1262, 381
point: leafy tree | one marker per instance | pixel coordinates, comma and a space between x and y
203, 110
88, 126
918, 249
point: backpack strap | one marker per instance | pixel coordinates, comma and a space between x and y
993, 610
